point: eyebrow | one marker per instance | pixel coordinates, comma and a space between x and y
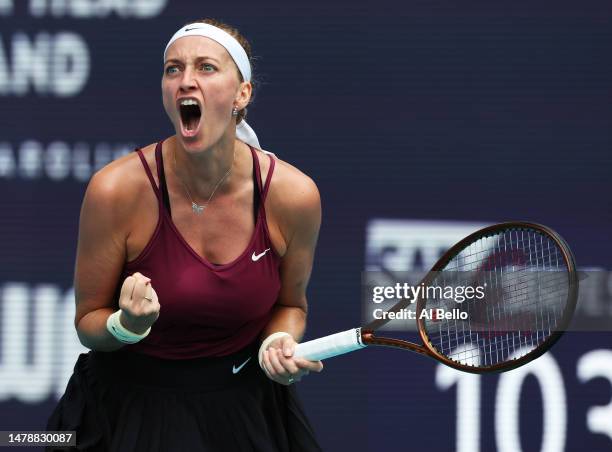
200, 58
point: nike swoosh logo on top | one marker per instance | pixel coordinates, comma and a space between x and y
256, 257
189, 29
235, 369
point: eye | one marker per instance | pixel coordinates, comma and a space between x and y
207, 67
171, 70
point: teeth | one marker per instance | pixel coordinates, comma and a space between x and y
188, 102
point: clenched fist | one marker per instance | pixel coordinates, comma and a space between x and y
139, 304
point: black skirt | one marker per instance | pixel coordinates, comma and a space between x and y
123, 401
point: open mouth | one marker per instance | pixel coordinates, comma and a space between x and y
191, 114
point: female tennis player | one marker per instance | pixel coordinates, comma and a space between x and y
193, 259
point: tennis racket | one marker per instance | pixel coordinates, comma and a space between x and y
529, 288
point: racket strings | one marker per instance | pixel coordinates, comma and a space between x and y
525, 283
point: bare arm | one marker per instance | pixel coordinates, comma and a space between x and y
101, 253
301, 220
100, 256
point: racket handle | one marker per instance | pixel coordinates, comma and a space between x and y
330, 346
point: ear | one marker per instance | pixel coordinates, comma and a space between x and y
243, 95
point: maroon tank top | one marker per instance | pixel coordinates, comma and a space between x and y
206, 309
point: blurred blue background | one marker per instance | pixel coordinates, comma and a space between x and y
439, 114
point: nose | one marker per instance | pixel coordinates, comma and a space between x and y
188, 79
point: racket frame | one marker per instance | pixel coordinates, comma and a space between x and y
367, 332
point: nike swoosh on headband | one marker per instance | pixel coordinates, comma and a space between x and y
235, 369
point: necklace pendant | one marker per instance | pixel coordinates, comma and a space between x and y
197, 209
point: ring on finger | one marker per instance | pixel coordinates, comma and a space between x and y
148, 298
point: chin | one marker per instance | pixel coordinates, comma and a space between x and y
196, 143
191, 143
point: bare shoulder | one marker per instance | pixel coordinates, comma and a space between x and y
118, 186
294, 203
293, 191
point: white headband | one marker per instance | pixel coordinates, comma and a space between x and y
232, 46
244, 132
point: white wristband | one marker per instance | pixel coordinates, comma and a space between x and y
266, 343
122, 334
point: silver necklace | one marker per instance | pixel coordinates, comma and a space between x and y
199, 208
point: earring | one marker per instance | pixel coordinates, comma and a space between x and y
234, 111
